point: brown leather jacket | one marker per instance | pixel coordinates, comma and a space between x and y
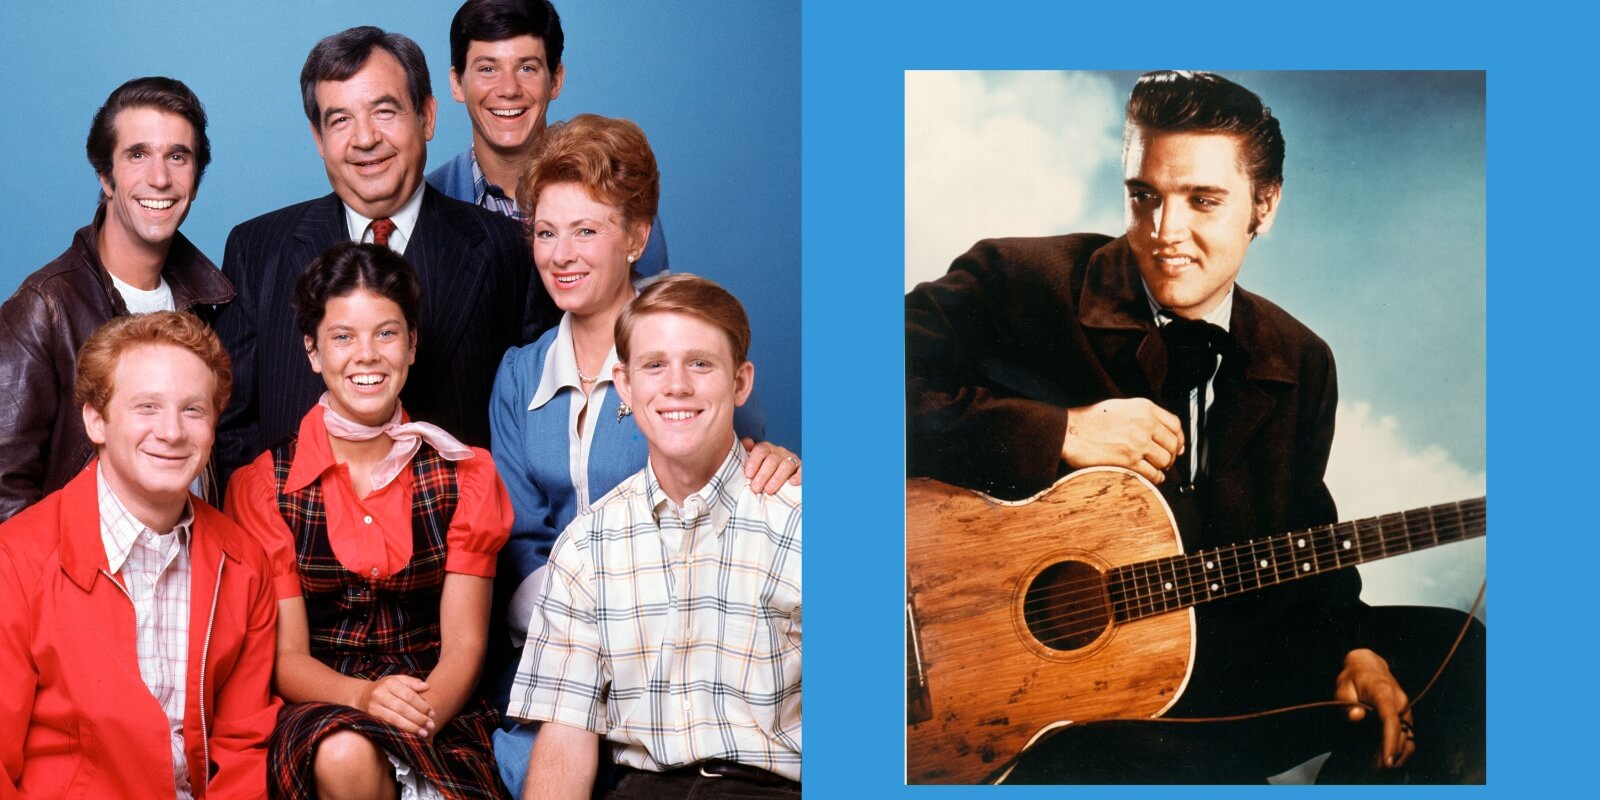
42, 441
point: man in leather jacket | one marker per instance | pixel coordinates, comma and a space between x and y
148, 146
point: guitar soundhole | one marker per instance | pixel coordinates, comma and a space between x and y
1065, 605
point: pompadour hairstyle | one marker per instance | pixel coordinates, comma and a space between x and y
1177, 100
165, 94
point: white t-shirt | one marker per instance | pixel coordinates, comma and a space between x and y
140, 301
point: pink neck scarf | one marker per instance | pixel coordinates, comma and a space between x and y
408, 438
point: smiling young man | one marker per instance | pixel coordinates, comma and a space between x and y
669, 623
148, 145
1036, 356
138, 631
505, 67
371, 110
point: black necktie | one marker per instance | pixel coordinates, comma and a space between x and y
1192, 350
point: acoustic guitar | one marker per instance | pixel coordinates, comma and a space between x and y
1078, 604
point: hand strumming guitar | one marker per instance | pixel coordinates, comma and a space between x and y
1133, 433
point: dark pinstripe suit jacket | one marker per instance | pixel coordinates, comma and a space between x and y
479, 297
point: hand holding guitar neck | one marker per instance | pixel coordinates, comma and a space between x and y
1366, 681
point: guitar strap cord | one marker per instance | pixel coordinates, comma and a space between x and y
1005, 769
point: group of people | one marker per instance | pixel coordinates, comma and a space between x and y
387, 608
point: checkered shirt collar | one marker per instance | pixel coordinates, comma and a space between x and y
491, 196
718, 495
120, 529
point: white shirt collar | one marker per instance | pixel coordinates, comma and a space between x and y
1219, 316
405, 221
561, 367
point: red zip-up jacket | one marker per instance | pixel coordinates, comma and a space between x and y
76, 719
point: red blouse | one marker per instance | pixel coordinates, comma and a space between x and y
369, 535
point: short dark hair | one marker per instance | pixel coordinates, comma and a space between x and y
164, 94
498, 20
683, 293
342, 55
1179, 100
348, 266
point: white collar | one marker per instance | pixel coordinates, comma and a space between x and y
1219, 316
561, 367
405, 220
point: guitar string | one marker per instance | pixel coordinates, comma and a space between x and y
1154, 567
1455, 646
1087, 594
1150, 600
1092, 600
1086, 601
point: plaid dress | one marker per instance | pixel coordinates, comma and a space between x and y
369, 629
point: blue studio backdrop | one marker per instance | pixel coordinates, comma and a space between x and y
715, 84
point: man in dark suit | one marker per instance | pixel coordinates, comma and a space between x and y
1033, 357
371, 107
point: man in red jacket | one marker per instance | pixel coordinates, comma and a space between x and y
138, 627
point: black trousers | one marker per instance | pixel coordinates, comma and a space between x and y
686, 784
1449, 723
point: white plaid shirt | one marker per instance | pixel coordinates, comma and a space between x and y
674, 632
154, 571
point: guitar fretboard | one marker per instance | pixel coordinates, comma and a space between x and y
1168, 584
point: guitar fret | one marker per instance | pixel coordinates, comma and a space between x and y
1209, 571
1321, 549
1173, 583
1156, 586
1282, 558
1142, 588
1305, 553
1172, 587
1382, 539
1122, 598
1448, 518
1244, 568
1347, 545
1398, 533
1130, 591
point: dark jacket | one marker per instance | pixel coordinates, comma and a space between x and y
1020, 330
42, 441
479, 298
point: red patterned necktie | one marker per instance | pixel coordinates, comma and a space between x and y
381, 228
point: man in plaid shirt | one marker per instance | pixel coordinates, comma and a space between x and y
670, 621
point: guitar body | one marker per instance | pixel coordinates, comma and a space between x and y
1077, 605
992, 663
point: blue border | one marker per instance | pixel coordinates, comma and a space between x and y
1541, 184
